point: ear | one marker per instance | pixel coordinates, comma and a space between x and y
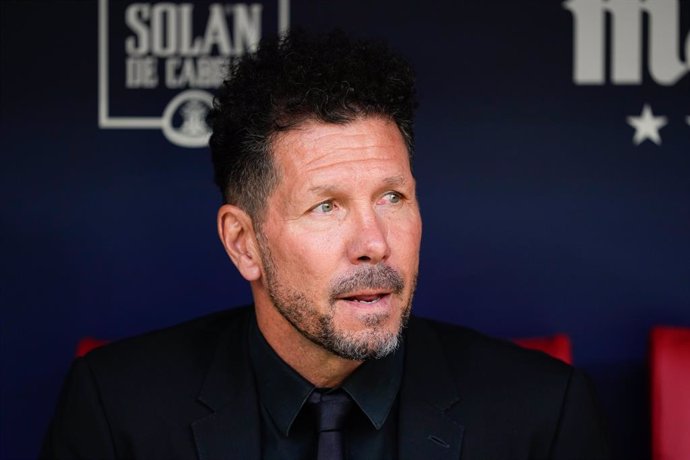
236, 232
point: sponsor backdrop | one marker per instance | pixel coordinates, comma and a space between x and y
553, 161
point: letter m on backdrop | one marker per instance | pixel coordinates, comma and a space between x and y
626, 19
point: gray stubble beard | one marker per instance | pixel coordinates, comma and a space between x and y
372, 343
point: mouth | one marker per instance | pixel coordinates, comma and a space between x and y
366, 298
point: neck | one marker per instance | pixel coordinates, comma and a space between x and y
317, 365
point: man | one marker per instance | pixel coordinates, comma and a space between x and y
312, 140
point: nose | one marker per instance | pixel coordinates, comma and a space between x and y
369, 240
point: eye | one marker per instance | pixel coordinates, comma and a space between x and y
325, 207
393, 197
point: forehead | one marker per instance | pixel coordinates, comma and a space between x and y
317, 148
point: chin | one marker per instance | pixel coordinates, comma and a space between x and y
364, 345
366, 336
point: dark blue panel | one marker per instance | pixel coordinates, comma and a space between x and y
541, 215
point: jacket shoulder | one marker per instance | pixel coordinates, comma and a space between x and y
138, 397
162, 365
184, 343
493, 373
468, 350
512, 400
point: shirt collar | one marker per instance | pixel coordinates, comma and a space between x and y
374, 385
283, 392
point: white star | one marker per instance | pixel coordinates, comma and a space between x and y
647, 126
687, 119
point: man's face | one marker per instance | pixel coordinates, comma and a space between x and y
341, 235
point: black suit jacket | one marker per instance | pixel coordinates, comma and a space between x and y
187, 392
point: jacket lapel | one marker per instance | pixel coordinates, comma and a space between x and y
426, 427
232, 429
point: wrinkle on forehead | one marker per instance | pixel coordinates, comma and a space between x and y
330, 143
392, 181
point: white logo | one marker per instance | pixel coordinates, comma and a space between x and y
663, 39
166, 51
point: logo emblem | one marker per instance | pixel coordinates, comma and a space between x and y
160, 60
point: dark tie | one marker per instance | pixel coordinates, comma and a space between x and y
331, 411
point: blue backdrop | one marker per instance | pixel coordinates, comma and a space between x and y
552, 200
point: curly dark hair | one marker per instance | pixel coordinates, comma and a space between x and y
292, 79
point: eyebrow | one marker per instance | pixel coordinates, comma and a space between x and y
393, 181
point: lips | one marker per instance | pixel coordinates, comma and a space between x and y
365, 298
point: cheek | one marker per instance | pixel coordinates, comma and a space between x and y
309, 257
406, 236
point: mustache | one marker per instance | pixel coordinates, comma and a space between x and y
381, 277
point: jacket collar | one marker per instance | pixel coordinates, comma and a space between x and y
426, 427
232, 430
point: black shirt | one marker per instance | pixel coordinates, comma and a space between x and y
288, 429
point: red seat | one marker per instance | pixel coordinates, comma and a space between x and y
87, 344
669, 363
558, 346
